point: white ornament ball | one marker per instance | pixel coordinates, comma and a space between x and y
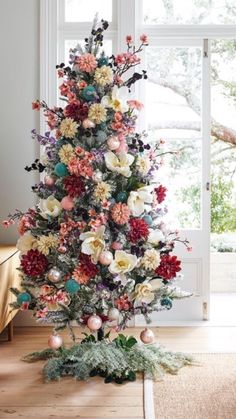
113, 143
97, 176
113, 314
147, 336
54, 275
94, 322
106, 258
55, 341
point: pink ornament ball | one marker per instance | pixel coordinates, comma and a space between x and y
88, 124
67, 203
49, 180
113, 143
94, 322
147, 336
55, 341
62, 249
116, 246
106, 258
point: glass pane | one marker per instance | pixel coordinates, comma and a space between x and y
71, 43
181, 175
173, 102
189, 11
85, 10
223, 146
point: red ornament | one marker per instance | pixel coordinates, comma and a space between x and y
168, 267
138, 230
33, 263
74, 186
160, 193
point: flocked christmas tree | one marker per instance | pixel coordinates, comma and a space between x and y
95, 251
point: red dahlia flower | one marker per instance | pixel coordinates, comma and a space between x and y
78, 111
138, 230
160, 193
74, 186
168, 267
33, 263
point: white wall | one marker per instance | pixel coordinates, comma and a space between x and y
19, 86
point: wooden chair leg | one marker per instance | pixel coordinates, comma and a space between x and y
10, 331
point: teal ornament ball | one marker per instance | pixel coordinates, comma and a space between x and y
72, 286
166, 302
148, 219
61, 170
121, 197
89, 93
23, 297
102, 61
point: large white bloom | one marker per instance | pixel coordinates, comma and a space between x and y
155, 236
50, 207
144, 292
137, 199
123, 262
118, 99
143, 164
26, 242
150, 259
119, 163
93, 243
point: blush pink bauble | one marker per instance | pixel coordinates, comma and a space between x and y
106, 258
113, 143
147, 336
67, 203
94, 322
88, 124
49, 180
55, 341
116, 246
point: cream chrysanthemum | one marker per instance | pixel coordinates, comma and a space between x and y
102, 191
66, 153
103, 75
68, 127
97, 113
143, 164
151, 259
46, 243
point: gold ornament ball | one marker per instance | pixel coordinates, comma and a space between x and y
147, 336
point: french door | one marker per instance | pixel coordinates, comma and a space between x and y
177, 108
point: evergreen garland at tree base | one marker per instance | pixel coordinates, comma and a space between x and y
116, 361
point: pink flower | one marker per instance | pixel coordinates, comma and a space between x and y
7, 223
41, 314
120, 213
60, 73
144, 39
129, 39
135, 104
80, 167
86, 62
36, 105
123, 144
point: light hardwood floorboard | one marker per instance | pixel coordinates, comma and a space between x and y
24, 395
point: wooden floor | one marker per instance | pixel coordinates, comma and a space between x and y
24, 395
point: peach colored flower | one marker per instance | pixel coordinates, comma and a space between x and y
120, 213
80, 276
80, 167
86, 62
135, 104
144, 39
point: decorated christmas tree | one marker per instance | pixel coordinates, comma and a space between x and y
95, 251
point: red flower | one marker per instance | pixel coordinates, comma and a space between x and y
123, 303
87, 266
33, 263
78, 111
138, 230
168, 267
160, 193
74, 186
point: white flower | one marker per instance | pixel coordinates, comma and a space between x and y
150, 259
137, 199
93, 243
119, 163
155, 236
50, 207
144, 292
122, 263
118, 99
26, 242
143, 164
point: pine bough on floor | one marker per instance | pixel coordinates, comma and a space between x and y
118, 360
